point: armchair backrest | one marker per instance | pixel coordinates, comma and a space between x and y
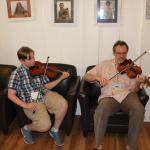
63, 86
5, 72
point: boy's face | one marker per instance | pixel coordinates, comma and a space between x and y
30, 61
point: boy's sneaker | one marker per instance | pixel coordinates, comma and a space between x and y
27, 136
56, 137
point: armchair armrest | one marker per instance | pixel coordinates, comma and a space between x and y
73, 89
84, 100
83, 91
143, 96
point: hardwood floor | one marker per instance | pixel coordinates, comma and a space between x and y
76, 141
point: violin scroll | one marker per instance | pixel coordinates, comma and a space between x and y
147, 82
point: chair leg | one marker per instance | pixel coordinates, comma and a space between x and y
67, 132
5, 130
85, 133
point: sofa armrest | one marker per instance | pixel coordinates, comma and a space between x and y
7, 110
143, 96
3, 92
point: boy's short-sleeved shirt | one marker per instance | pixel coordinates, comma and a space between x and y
24, 84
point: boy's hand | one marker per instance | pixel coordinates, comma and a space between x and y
31, 106
64, 75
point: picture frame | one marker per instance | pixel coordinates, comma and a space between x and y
107, 11
147, 11
20, 9
63, 11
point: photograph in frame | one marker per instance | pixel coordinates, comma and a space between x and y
64, 11
107, 11
19, 9
147, 9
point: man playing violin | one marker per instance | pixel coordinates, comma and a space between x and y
33, 94
116, 93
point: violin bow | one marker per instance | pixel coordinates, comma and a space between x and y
41, 86
46, 66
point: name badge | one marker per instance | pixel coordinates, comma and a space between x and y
34, 95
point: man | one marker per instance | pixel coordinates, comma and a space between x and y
118, 93
63, 12
34, 96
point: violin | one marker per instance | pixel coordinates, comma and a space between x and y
129, 68
132, 71
40, 69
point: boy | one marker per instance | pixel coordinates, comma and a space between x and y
34, 96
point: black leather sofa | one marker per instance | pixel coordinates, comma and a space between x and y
68, 88
7, 108
88, 96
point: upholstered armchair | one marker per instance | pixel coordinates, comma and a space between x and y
7, 108
68, 88
88, 96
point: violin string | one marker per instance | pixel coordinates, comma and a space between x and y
55, 70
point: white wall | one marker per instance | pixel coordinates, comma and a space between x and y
82, 43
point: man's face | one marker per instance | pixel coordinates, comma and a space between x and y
30, 61
120, 53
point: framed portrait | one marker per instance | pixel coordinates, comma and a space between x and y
63, 11
147, 9
107, 11
19, 9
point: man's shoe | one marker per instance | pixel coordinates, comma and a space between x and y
97, 149
56, 137
27, 136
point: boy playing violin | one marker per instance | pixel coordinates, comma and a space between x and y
118, 93
23, 90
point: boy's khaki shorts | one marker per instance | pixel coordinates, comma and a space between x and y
53, 103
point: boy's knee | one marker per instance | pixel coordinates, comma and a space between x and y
65, 105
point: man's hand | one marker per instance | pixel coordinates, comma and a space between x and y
144, 80
140, 78
102, 81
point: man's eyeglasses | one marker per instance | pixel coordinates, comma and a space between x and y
121, 53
